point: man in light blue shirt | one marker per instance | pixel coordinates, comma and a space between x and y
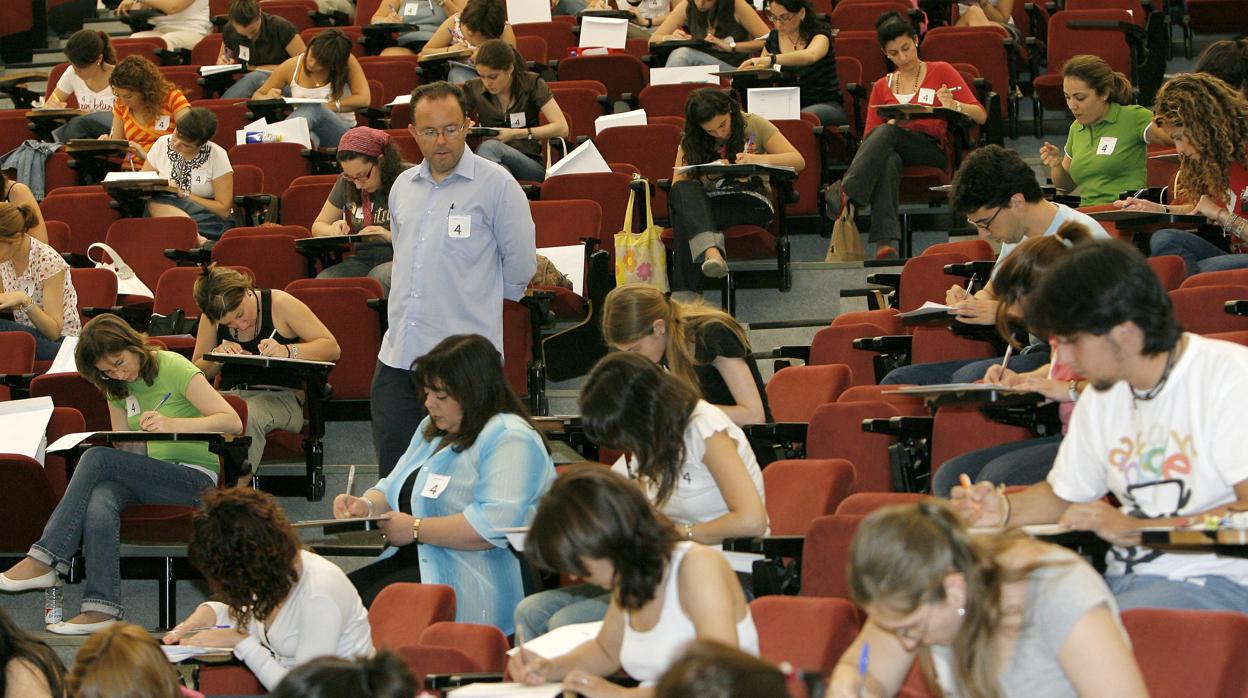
463, 241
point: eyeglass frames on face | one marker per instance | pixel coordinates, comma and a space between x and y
448, 132
360, 177
781, 19
986, 224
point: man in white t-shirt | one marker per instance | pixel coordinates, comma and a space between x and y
1160, 431
998, 193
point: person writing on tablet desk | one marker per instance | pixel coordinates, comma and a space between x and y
731, 28
802, 43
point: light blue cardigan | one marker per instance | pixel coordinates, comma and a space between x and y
495, 484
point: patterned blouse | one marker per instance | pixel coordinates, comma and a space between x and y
42, 264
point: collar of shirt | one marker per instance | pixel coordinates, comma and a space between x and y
1111, 117
466, 168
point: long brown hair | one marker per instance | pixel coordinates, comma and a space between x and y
332, 50
243, 544
1215, 117
85, 47
631, 310
16, 219
900, 557
1021, 271
17, 645
103, 336
123, 661
1098, 75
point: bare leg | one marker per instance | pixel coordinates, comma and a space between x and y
28, 568
974, 17
397, 51
155, 209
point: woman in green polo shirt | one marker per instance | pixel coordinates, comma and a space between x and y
147, 390
1107, 149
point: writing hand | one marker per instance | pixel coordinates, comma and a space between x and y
945, 96
272, 347
680, 35
999, 375
341, 227
1103, 520
225, 638
980, 505
155, 422
348, 506
528, 668
13, 300
1133, 204
976, 311
955, 295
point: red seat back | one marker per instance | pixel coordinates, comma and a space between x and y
834, 345
532, 49
423, 660
923, 279
231, 118
402, 611
141, 242
17, 353
809, 633
282, 264
825, 555
1200, 309
1226, 277
609, 189
1208, 662
960, 429
302, 203
96, 288
565, 221
517, 346
485, 644
659, 100
798, 491
293, 11
863, 46
581, 106
557, 35
863, 503
801, 135
144, 46
87, 214
655, 161
794, 393
1171, 270
281, 162
621, 72
72, 390
836, 432
342, 304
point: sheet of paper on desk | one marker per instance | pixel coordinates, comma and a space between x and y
692, 168
314, 523
68, 441
135, 177
953, 388
741, 562
684, 74
293, 130
516, 536
401, 99
928, 308
506, 690
636, 117
23, 426
570, 260
604, 32
585, 158
281, 359
521, 11
305, 100
561, 640
206, 70
180, 653
1031, 529
64, 361
774, 103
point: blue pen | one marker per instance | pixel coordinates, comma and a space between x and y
864, 660
163, 400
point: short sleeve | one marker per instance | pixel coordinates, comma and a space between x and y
763, 130
707, 420
1068, 589
716, 340
177, 370
1143, 118
158, 156
338, 195
514, 473
1077, 474
541, 93
175, 101
285, 31
220, 161
66, 82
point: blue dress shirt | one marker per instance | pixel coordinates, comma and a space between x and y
449, 281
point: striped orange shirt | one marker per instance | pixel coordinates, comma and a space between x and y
146, 134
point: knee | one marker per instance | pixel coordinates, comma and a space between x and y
491, 150
1164, 241
681, 57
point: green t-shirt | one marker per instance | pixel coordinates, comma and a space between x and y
174, 373
1110, 156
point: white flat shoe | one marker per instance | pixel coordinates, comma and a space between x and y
43, 581
64, 628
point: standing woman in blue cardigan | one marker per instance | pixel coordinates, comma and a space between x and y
475, 466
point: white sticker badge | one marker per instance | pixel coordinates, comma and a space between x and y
517, 120
459, 226
435, 486
927, 96
410, 9
244, 53
1106, 146
162, 122
132, 406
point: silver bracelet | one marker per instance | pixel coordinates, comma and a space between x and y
369, 502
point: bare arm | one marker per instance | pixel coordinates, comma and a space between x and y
1098, 660
278, 79
440, 42
292, 317
387, 13
218, 416
329, 222
889, 663
222, 201
671, 23
21, 195
22, 678
50, 317
747, 516
360, 95
168, 6
779, 152
740, 381
1001, 12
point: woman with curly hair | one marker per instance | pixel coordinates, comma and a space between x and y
1208, 120
731, 29
716, 130
359, 204
124, 660
328, 71
596, 525
281, 606
28, 667
147, 390
693, 463
703, 346
994, 615
146, 106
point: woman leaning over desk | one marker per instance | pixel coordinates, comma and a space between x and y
147, 390
35, 284
238, 318
802, 43
475, 466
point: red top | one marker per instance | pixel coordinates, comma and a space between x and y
938, 73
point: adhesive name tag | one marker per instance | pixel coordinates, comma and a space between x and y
410, 9
459, 226
132, 406
927, 95
517, 120
244, 53
435, 485
162, 122
1106, 146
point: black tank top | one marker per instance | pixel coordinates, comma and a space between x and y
235, 376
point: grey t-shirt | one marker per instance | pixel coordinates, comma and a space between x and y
353, 213
1059, 593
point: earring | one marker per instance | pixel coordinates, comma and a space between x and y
961, 611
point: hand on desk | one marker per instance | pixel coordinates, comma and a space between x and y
956, 295
379, 231
271, 93
228, 347
721, 44
1133, 204
679, 35
272, 347
225, 637
528, 668
396, 528
976, 311
591, 686
156, 422
53, 103
759, 62
1102, 519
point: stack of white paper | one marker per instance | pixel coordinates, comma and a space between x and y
561, 640
683, 74
24, 426
585, 158
522, 11
773, 103
149, 176
401, 99
215, 69
293, 130
636, 117
181, 653
604, 32
570, 260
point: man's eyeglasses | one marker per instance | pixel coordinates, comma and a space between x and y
360, 177
449, 132
780, 19
987, 223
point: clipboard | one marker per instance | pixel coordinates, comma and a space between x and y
445, 56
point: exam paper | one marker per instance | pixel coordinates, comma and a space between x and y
636, 117
181, 653
585, 158
24, 426
683, 74
773, 103
64, 361
605, 32
506, 690
561, 640
521, 11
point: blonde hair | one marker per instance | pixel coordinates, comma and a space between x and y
220, 290
1215, 117
122, 661
631, 310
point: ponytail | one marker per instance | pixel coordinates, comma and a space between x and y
16, 219
1098, 75
106, 49
1020, 273
86, 47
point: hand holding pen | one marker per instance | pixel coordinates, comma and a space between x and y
153, 420
272, 347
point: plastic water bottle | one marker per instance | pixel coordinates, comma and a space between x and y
52, 601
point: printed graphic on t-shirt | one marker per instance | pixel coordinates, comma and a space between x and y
1154, 465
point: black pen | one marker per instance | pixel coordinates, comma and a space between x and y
452, 207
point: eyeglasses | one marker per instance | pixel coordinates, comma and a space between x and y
781, 19
449, 132
986, 224
360, 177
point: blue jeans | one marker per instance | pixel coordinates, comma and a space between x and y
964, 370
1210, 593
686, 56
520, 166
105, 482
458, 74
325, 126
210, 224
373, 261
92, 125
544, 611
829, 113
1016, 463
247, 85
45, 349
1199, 254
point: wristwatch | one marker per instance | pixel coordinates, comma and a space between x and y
416, 530
530, 130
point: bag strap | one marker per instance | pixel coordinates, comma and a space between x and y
649, 208
628, 212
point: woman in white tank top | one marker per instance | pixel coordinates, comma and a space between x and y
665, 593
328, 71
